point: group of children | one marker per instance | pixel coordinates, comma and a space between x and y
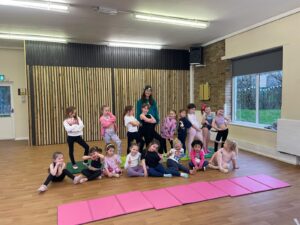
142, 131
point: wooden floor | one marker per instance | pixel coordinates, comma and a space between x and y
24, 169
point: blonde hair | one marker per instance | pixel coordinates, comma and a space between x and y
232, 145
177, 141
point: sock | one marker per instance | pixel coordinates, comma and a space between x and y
167, 175
185, 175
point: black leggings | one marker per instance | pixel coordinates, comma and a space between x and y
149, 135
81, 142
163, 148
221, 135
91, 174
60, 178
134, 136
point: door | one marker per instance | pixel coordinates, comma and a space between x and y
7, 129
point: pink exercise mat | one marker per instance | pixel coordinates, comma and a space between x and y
230, 188
133, 202
185, 194
74, 213
269, 181
250, 184
105, 207
161, 199
207, 190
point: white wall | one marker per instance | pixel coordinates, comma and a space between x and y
12, 65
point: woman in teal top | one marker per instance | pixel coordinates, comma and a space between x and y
147, 98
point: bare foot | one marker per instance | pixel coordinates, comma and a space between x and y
213, 166
83, 180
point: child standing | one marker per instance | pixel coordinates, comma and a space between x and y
112, 162
74, 127
222, 158
183, 125
94, 170
206, 127
57, 172
132, 125
152, 161
147, 129
173, 161
195, 130
197, 156
168, 129
220, 124
109, 127
135, 167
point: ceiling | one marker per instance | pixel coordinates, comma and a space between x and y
85, 25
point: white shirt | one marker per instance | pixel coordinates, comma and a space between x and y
130, 127
174, 156
73, 129
135, 160
193, 119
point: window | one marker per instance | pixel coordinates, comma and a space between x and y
5, 104
257, 98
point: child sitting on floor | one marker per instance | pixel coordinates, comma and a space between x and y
197, 156
57, 172
222, 158
173, 161
135, 167
94, 170
112, 162
152, 161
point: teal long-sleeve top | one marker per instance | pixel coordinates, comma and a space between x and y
153, 110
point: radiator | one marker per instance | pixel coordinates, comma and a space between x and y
288, 136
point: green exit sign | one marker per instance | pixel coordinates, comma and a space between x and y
2, 77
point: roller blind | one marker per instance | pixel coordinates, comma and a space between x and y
266, 61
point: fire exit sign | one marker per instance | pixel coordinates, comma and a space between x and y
2, 77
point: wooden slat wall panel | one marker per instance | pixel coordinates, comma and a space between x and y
171, 90
56, 88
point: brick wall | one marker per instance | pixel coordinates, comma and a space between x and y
217, 73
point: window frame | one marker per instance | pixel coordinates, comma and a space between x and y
234, 97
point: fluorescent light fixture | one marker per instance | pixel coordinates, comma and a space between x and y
32, 38
134, 45
171, 20
51, 6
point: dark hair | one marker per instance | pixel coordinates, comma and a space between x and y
56, 154
127, 109
95, 149
191, 106
102, 108
145, 104
181, 110
153, 142
108, 146
143, 97
197, 142
69, 110
134, 144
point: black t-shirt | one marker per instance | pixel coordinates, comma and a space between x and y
183, 125
96, 163
147, 127
151, 158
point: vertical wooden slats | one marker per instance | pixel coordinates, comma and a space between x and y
88, 89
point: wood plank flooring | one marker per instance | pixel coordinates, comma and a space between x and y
24, 169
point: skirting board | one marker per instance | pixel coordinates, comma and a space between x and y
21, 138
268, 152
